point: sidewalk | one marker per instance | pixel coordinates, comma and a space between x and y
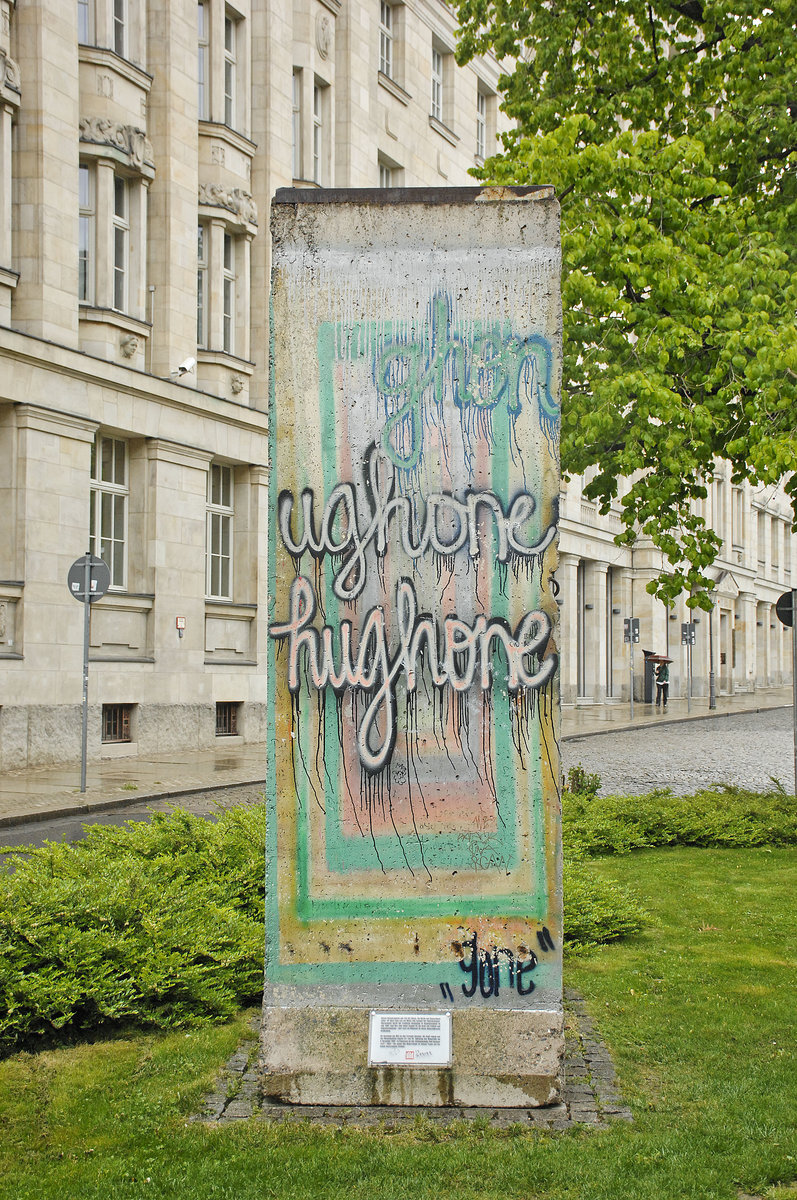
48, 792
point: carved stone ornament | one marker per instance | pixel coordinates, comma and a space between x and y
237, 384
9, 72
323, 34
128, 345
235, 200
3, 621
131, 141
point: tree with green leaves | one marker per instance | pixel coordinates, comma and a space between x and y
670, 133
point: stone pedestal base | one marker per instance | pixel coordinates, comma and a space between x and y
501, 1059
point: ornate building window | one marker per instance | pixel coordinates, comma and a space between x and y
228, 293
222, 65
203, 63
230, 71
84, 21
296, 124
202, 293
223, 267
121, 243
86, 242
108, 508
481, 124
319, 139
220, 513
386, 39
436, 109
120, 27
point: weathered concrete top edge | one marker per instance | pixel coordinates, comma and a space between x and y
413, 195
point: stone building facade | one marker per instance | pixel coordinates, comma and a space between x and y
140, 144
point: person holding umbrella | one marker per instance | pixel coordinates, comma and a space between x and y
662, 683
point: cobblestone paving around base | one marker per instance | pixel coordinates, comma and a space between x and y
590, 1093
747, 749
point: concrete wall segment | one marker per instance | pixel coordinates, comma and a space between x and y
400, 857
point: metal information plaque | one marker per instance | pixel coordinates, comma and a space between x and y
409, 1039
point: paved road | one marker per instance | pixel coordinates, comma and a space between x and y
748, 748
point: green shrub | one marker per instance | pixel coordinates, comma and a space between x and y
726, 816
159, 923
582, 783
596, 910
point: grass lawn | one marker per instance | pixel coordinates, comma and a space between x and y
698, 1012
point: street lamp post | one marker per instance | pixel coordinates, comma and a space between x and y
712, 694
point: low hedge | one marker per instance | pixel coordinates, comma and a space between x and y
161, 923
723, 816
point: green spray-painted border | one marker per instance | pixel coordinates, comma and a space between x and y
527, 905
347, 852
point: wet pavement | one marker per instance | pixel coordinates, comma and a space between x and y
235, 773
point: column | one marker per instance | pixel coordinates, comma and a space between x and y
175, 549
595, 641
52, 531
746, 641
568, 625
172, 127
46, 171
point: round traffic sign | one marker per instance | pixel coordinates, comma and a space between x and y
99, 578
783, 608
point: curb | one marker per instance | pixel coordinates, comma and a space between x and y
77, 810
108, 805
638, 728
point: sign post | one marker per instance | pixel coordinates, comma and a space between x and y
688, 640
631, 635
88, 580
786, 609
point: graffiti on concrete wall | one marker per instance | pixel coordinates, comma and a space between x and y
413, 661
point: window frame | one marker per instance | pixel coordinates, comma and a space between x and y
319, 127
296, 123
119, 27
229, 286
85, 22
481, 124
98, 509
202, 281
219, 516
120, 221
87, 224
437, 78
230, 54
203, 59
385, 174
386, 40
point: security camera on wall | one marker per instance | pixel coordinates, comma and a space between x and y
186, 367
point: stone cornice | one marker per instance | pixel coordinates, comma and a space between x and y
10, 83
394, 88
100, 56
49, 420
234, 200
224, 133
127, 139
